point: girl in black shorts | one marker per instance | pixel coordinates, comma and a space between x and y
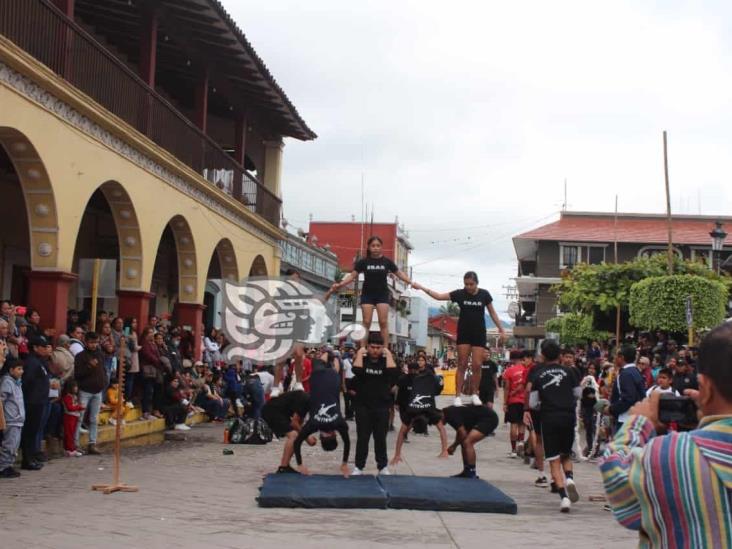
375, 293
471, 336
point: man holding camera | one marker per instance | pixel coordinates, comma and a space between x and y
677, 489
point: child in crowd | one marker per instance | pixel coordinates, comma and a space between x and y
113, 396
11, 396
72, 416
664, 380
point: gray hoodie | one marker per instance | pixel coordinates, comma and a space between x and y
11, 393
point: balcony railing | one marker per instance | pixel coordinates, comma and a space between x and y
44, 32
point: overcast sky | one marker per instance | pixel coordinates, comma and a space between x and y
465, 118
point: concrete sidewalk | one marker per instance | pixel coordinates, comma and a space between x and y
193, 496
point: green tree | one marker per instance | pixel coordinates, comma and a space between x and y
659, 303
589, 288
574, 329
450, 309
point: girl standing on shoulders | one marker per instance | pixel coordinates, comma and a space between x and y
375, 293
471, 334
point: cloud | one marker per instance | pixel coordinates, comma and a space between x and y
476, 112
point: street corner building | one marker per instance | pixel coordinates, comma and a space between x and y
146, 134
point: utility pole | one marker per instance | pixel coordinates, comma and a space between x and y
668, 208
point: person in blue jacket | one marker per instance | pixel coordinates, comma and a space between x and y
629, 386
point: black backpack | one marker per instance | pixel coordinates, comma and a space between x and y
250, 431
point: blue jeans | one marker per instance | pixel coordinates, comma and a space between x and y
255, 395
42, 427
129, 385
92, 402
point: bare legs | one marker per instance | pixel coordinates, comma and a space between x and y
382, 314
476, 355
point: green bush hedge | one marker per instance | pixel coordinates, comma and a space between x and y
574, 329
659, 302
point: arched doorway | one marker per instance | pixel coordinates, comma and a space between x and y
30, 269
222, 267
109, 230
259, 267
175, 275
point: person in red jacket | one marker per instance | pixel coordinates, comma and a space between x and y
514, 398
72, 416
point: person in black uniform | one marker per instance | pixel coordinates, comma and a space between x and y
557, 388
375, 292
471, 335
417, 409
325, 412
284, 415
472, 424
36, 384
488, 382
376, 373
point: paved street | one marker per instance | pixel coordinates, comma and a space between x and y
191, 495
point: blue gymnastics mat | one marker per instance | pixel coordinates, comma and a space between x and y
446, 494
322, 491
395, 492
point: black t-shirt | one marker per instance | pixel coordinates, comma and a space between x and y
375, 271
404, 385
488, 371
465, 416
556, 387
425, 387
374, 382
290, 403
472, 308
325, 401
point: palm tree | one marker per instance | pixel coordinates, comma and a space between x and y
450, 309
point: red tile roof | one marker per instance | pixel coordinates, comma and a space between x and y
636, 228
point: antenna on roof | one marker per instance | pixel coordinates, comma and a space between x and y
564, 204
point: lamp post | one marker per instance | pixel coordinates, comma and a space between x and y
718, 235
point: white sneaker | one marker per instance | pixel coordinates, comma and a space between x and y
77, 453
239, 403
385, 471
572, 491
565, 505
182, 427
356, 472
82, 430
512, 455
129, 405
298, 387
475, 400
458, 401
275, 392
112, 421
520, 449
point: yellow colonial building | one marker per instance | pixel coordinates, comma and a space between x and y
148, 133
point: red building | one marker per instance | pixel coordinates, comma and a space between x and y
348, 241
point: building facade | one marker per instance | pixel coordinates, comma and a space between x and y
147, 134
582, 237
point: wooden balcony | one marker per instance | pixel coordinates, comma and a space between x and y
40, 29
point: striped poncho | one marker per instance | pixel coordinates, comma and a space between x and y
675, 489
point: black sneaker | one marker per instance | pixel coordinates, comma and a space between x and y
465, 474
554, 489
9, 472
40, 458
287, 470
34, 466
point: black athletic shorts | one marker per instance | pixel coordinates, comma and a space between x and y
473, 337
557, 434
277, 421
486, 395
375, 299
515, 413
433, 416
536, 421
488, 423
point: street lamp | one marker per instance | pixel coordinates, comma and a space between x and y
718, 235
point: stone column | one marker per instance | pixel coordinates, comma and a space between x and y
273, 166
190, 315
48, 293
134, 304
